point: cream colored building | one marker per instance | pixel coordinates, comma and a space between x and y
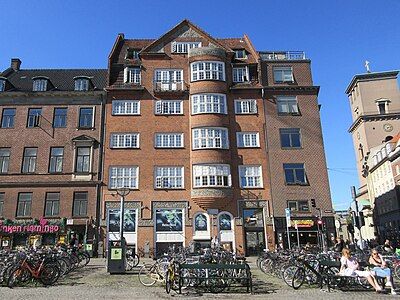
375, 106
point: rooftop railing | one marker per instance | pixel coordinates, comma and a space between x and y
283, 55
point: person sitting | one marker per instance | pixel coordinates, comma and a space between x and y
349, 267
339, 245
387, 247
381, 269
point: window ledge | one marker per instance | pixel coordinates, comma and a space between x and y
23, 218
169, 189
79, 217
288, 114
85, 128
291, 148
300, 184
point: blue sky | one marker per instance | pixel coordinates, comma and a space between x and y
337, 35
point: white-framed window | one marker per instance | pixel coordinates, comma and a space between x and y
209, 103
169, 140
127, 177
40, 85
124, 140
126, 107
248, 139
167, 75
287, 105
210, 137
169, 107
250, 176
240, 74
132, 53
240, 54
207, 70
214, 175
283, 74
245, 106
2, 85
169, 177
183, 47
132, 75
81, 84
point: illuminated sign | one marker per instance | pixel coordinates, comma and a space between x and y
302, 223
43, 227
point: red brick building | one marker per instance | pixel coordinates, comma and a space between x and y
193, 129
50, 152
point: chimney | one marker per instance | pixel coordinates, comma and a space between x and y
15, 64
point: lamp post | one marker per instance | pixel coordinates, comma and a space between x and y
123, 192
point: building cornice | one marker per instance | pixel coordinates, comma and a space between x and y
374, 117
370, 76
50, 184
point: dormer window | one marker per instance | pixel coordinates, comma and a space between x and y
2, 85
183, 47
81, 84
132, 53
240, 54
40, 85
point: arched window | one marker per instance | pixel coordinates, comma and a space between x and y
201, 222
225, 221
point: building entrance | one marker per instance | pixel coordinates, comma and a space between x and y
254, 231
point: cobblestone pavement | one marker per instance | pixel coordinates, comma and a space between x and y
93, 282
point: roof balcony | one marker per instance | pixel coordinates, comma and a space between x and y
283, 55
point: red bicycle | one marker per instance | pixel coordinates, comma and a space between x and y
44, 270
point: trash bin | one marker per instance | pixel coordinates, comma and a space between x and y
116, 257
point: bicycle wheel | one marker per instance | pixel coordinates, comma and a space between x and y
49, 274
288, 275
397, 271
15, 278
298, 278
168, 281
148, 275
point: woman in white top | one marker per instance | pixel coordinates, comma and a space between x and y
349, 267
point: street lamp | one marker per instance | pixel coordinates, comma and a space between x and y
123, 192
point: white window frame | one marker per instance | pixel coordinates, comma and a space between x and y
245, 106
285, 77
168, 107
168, 75
81, 84
247, 139
208, 104
184, 47
207, 70
240, 74
288, 102
134, 175
250, 173
2, 85
167, 138
243, 51
212, 174
124, 106
133, 75
210, 138
39, 85
121, 140
168, 175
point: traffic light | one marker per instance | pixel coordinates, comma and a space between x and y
362, 219
313, 203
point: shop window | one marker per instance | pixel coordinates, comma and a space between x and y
201, 222
169, 220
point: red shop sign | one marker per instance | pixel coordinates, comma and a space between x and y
43, 227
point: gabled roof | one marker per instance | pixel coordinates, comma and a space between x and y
181, 25
61, 79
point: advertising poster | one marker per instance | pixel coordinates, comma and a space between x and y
225, 222
200, 223
129, 220
169, 220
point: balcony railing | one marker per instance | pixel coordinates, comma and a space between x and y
283, 55
169, 86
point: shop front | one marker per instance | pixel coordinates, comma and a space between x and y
17, 233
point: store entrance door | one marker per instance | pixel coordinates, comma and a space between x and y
255, 242
253, 231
